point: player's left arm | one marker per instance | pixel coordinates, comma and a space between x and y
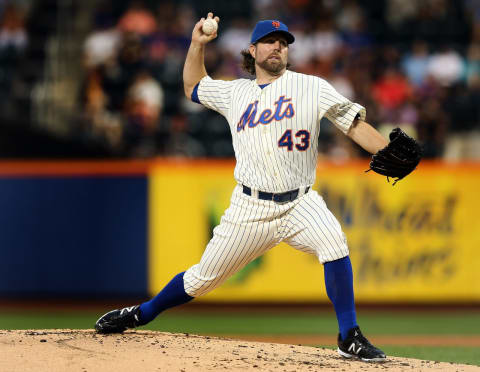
366, 136
341, 111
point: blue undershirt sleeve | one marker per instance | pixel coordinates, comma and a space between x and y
195, 94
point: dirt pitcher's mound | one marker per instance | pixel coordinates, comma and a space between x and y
85, 351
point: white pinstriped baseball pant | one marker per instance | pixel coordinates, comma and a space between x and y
250, 227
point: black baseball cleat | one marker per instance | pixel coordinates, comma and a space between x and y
117, 321
356, 345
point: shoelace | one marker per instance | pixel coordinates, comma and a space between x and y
364, 341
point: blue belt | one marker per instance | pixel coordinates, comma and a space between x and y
277, 198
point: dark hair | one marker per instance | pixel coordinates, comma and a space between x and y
248, 63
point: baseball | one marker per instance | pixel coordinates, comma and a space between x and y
209, 26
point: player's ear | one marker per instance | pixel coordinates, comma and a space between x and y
252, 49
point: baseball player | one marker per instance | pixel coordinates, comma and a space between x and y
274, 121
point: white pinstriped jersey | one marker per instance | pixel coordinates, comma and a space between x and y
275, 133
275, 129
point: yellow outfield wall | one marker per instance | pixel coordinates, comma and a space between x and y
417, 241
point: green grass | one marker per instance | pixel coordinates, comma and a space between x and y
41, 320
454, 354
448, 354
380, 323
373, 323
240, 323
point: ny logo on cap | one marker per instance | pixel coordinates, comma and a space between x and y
276, 24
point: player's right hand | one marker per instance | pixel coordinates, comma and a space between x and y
197, 34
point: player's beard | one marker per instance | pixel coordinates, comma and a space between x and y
274, 67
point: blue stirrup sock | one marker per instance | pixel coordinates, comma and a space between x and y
173, 294
339, 285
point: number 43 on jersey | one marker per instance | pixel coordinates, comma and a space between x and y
301, 140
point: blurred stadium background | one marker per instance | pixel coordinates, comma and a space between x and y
111, 180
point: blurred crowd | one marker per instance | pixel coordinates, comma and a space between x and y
13, 42
411, 63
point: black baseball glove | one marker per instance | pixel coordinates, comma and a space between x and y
399, 158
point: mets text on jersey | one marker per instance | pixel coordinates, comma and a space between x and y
266, 117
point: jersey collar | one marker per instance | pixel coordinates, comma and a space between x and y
287, 72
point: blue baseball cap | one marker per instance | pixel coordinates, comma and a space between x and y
264, 28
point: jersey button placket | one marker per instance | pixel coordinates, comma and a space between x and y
266, 132
268, 150
272, 151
